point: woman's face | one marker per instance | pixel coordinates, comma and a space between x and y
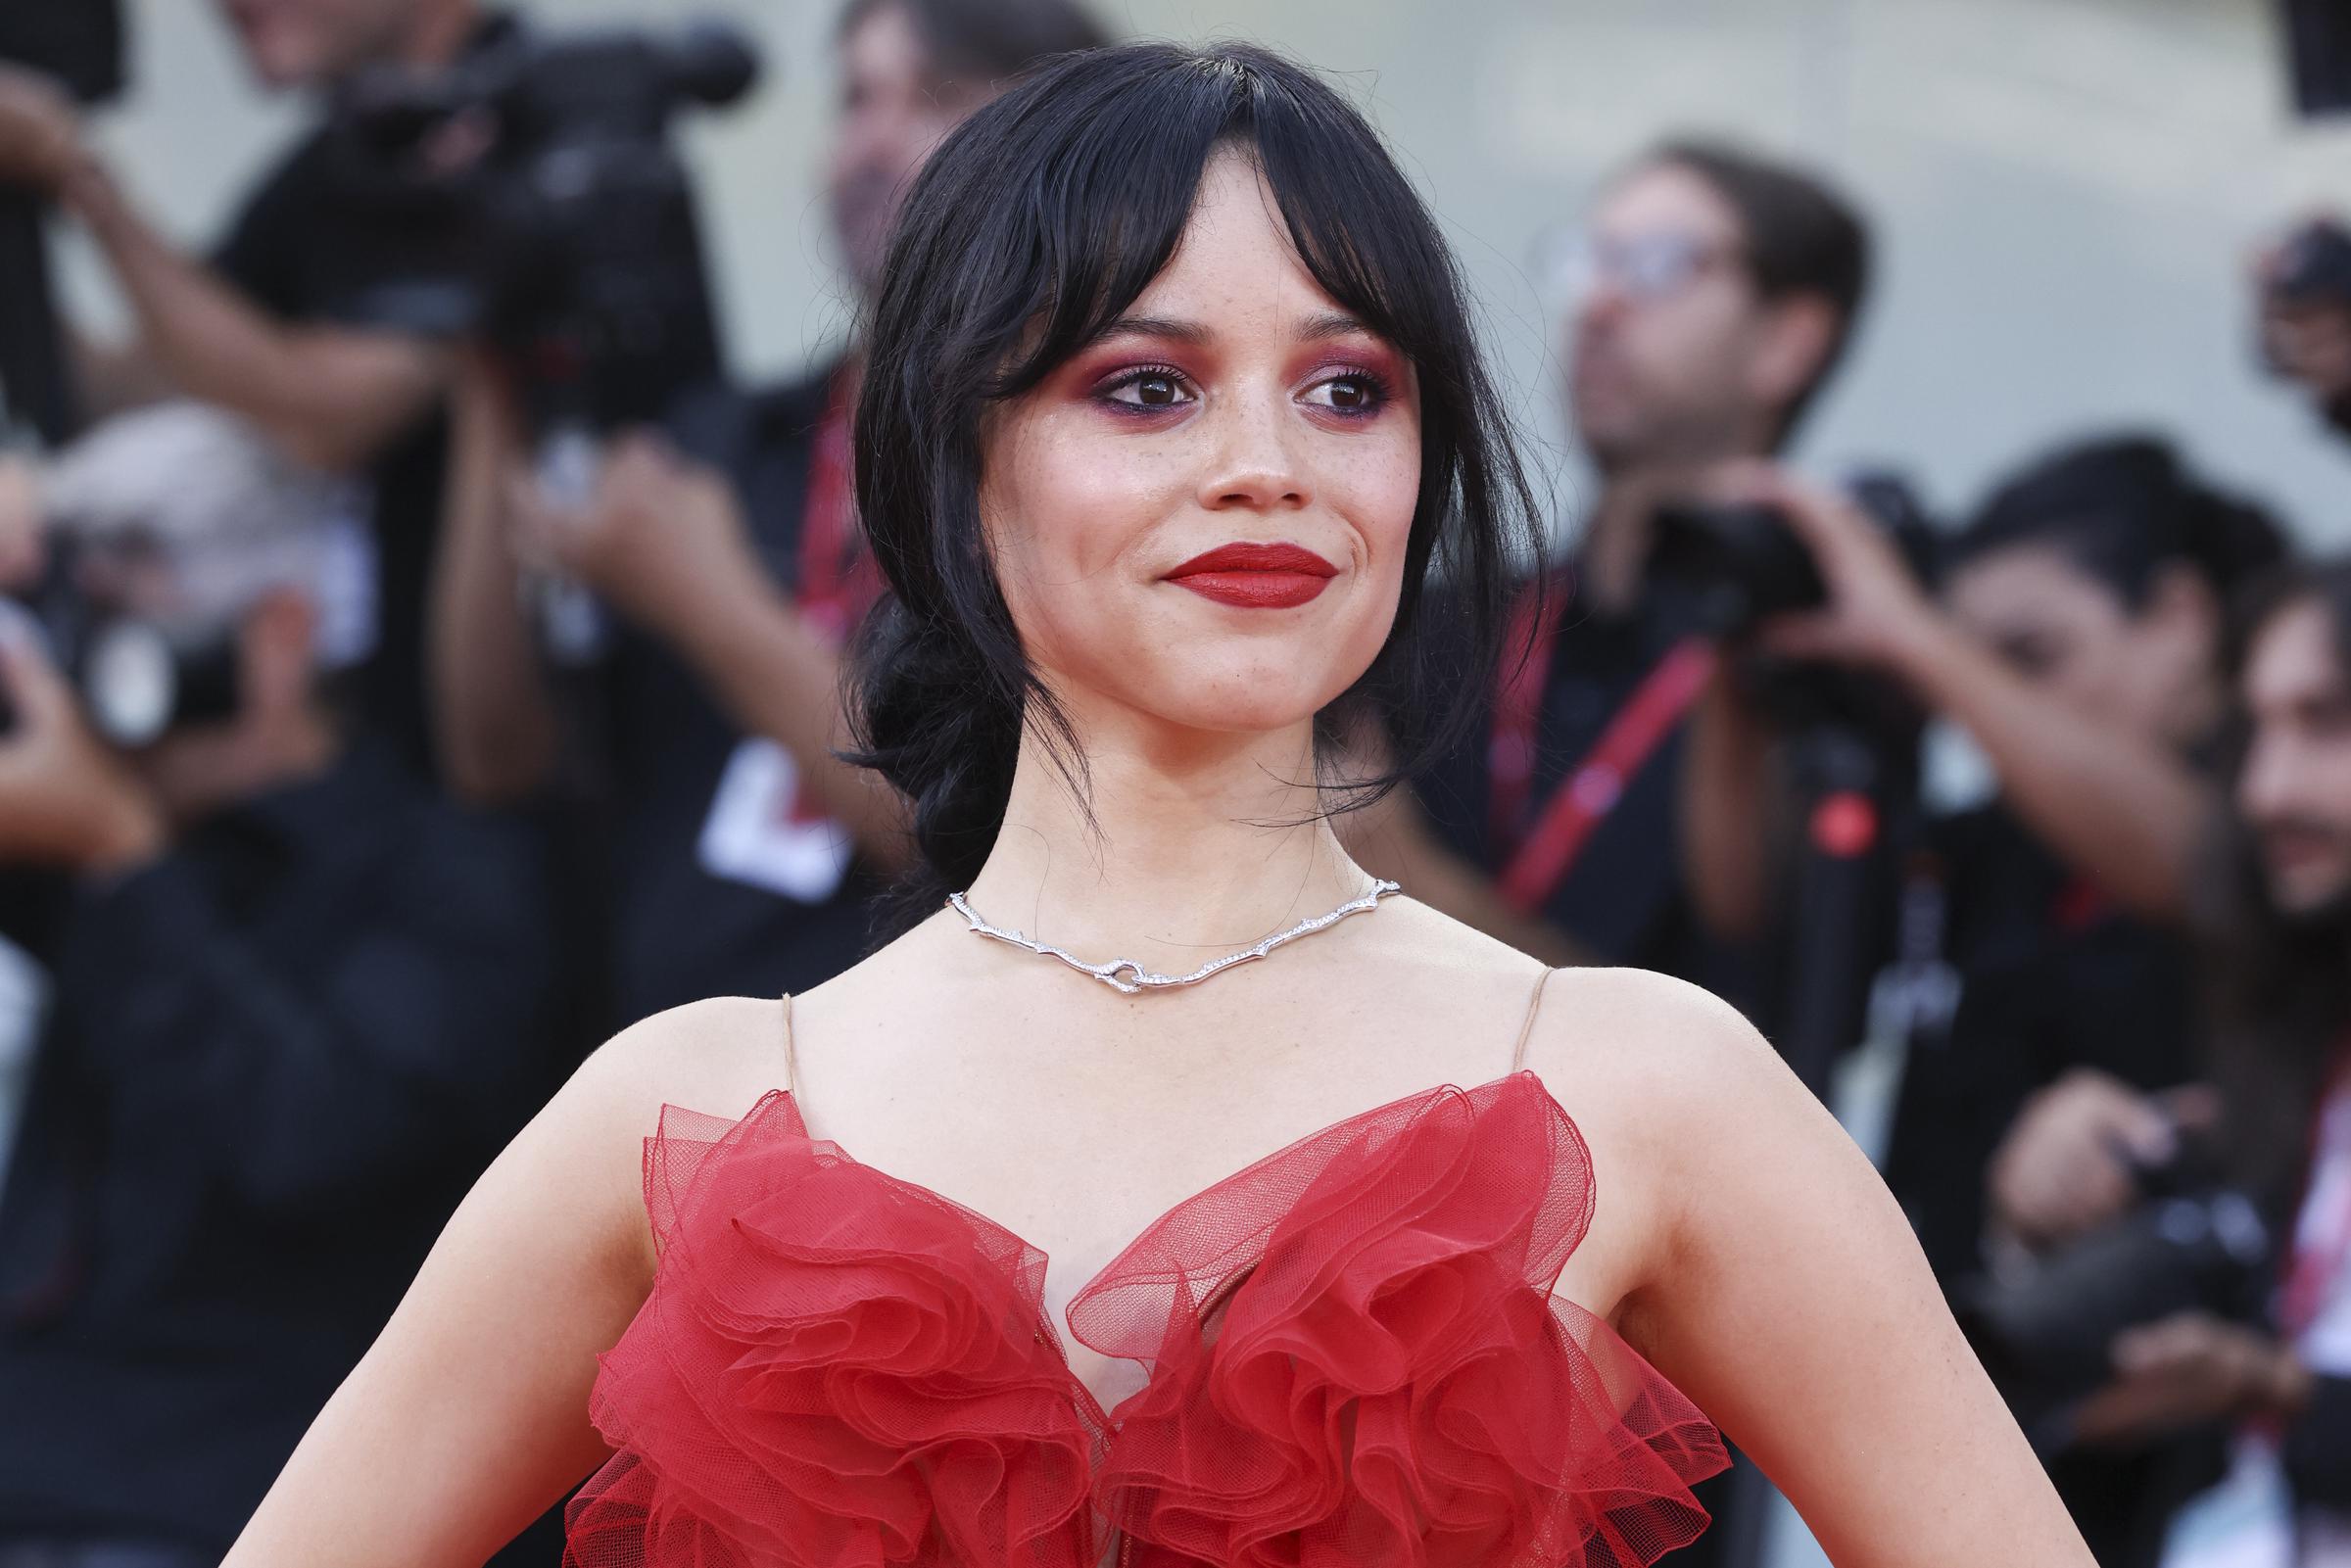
2073, 635
1200, 519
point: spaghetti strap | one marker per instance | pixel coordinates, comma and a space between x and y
1526, 1030
792, 1060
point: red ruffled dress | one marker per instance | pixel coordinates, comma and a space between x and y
1354, 1356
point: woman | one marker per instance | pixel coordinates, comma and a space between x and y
1172, 403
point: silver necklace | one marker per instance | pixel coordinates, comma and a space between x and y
1127, 976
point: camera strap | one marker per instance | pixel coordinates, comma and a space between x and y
840, 579
1545, 850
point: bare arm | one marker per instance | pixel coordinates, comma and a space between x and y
665, 543
1778, 1287
2126, 810
332, 397
468, 1418
2120, 807
494, 720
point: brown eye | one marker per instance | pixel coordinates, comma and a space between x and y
1154, 390
1347, 393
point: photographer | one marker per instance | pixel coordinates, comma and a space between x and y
297, 1001
2076, 638
1717, 292
2277, 933
269, 326
727, 550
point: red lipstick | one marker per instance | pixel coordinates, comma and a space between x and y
1256, 577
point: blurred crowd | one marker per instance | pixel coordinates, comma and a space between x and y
418, 657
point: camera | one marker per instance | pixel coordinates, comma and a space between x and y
2192, 1244
531, 197
134, 680
1742, 564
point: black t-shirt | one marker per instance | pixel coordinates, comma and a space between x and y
317, 241
277, 1057
721, 886
2051, 977
1623, 896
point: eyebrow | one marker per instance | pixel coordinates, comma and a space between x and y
1316, 328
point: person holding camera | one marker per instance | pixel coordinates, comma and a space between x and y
2037, 943
1716, 293
727, 549
270, 325
2269, 1365
296, 1003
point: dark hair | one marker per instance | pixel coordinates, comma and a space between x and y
2120, 508
2279, 986
1801, 238
1036, 224
986, 40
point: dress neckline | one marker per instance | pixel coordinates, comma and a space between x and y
1065, 1331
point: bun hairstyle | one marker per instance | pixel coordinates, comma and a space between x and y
1031, 228
2120, 508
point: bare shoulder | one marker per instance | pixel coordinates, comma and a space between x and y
718, 1055
1641, 1031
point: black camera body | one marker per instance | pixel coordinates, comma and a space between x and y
1745, 564
134, 682
2194, 1244
1730, 567
541, 205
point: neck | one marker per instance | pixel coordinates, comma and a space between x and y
206, 770
1179, 850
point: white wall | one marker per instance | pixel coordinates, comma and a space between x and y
2063, 189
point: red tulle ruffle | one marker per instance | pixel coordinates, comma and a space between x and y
1355, 1360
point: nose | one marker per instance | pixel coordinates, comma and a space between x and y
1257, 466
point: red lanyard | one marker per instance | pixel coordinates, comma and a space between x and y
2319, 1263
1542, 855
839, 579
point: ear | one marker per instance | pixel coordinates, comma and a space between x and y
1796, 337
277, 651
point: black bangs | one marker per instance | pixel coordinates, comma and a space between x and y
1032, 228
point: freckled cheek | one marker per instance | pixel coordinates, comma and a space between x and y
1376, 493
1075, 505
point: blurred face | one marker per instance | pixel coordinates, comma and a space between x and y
1667, 327
308, 43
1201, 519
2295, 790
2071, 634
894, 109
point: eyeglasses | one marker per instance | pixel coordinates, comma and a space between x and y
1569, 262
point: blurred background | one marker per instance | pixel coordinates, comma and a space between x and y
2066, 190
429, 560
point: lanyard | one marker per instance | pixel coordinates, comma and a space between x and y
2317, 1259
839, 579
1544, 852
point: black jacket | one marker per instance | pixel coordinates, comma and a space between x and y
277, 1058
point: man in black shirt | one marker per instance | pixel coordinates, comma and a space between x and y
298, 1003
745, 852
271, 328
1715, 292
